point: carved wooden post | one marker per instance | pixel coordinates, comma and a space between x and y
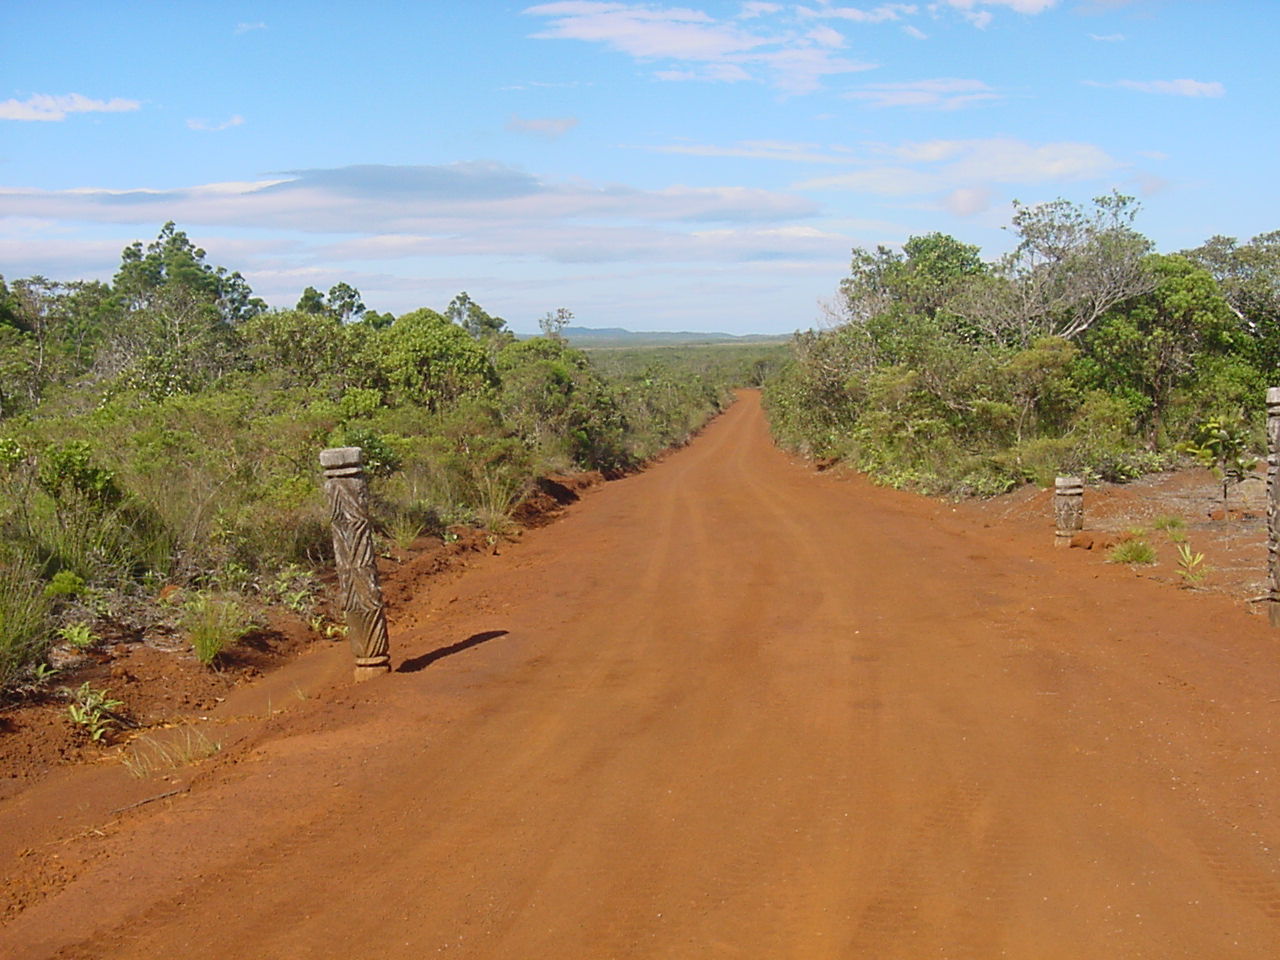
1273, 504
1068, 509
348, 492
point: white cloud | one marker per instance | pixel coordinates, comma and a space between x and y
1179, 88
1006, 160
964, 169
763, 150
443, 200
916, 32
883, 181
696, 46
243, 28
46, 107
880, 14
1018, 6
826, 37
757, 9
944, 93
968, 201
974, 12
548, 128
1107, 38
712, 73
234, 120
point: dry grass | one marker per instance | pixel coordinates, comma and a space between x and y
168, 750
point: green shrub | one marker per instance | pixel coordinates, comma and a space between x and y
65, 583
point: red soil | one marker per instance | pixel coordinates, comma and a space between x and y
727, 707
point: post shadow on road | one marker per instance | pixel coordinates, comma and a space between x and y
414, 664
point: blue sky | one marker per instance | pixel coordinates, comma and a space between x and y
702, 165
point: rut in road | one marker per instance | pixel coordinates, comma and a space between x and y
731, 708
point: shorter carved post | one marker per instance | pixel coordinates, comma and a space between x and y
1068, 509
1273, 505
361, 595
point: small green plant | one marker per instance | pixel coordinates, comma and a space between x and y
160, 753
1224, 448
213, 624
1132, 552
1169, 523
1191, 566
93, 711
65, 583
79, 635
42, 673
294, 587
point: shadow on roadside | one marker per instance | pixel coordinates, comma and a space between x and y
414, 664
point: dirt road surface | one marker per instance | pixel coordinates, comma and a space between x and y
730, 708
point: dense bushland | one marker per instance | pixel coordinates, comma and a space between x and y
163, 430
1081, 351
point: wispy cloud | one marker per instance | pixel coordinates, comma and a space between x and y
974, 12
943, 93
548, 128
958, 174
1177, 88
757, 9
1017, 6
880, 14
916, 32
46, 107
437, 200
764, 150
693, 45
243, 28
1107, 37
234, 120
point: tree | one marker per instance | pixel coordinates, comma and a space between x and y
344, 301
1249, 275
173, 261
180, 314
299, 347
312, 302
473, 318
426, 359
1070, 267
552, 324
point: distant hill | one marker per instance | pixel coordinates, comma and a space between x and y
618, 337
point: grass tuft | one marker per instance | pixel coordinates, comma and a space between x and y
214, 624
1133, 552
153, 754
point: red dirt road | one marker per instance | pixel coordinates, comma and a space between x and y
733, 708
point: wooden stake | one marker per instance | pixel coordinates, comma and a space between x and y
348, 493
1068, 509
1273, 505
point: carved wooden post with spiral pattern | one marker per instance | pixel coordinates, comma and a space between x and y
1068, 509
361, 596
1273, 505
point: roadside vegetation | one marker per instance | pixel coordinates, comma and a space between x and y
1082, 351
159, 438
